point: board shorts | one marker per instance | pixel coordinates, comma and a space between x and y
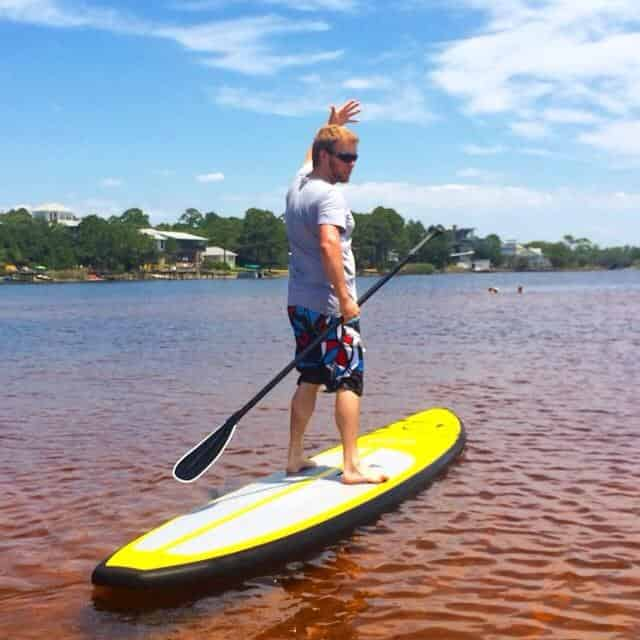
337, 362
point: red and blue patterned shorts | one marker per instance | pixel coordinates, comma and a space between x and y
337, 362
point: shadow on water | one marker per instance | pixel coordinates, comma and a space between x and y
313, 594
122, 599
126, 612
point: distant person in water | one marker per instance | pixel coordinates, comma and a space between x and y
322, 288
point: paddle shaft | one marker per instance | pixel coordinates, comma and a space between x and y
196, 461
321, 336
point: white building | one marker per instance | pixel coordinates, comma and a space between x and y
188, 247
464, 259
218, 254
481, 266
161, 237
54, 213
533, 256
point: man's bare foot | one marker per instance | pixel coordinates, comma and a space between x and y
300, 465
363, 475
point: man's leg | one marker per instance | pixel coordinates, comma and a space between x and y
348, 422
302, 405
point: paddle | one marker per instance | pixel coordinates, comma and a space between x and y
197, 460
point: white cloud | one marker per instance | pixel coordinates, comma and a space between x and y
316, 96
574, 62
530, 129
570, 116
474, 173
476, 150
621, 137
53, 14
317, 5
262, 63
534, 151
295, 5
363, 83
448, 197
210, 177
100, 206
510, 211
413, 110
110, 182
271, 103
240, 45
243, 45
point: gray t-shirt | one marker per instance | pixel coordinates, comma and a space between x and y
310, 203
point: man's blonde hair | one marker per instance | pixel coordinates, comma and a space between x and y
327, 137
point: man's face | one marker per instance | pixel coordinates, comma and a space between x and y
342, 160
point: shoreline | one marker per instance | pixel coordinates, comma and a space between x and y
38, 279
79, 277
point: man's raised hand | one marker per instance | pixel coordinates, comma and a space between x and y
345, 114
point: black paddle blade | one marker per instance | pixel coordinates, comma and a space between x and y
195, 462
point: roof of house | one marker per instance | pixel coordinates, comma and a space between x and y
176, 235
218, 251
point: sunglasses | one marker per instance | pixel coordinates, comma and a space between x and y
345, 157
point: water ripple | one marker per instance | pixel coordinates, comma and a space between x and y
533, 533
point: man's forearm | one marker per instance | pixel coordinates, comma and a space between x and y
331, 255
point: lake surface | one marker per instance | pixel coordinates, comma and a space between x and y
533, 533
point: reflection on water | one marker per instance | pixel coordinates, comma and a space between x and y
534, 532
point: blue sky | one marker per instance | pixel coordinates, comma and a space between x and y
515, 117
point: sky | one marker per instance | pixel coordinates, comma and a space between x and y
515, 117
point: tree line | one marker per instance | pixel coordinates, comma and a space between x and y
381, 236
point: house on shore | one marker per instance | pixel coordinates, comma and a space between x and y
463, 251
481, 265
218, 254
517, 255
54, 213
189, 248
183, 247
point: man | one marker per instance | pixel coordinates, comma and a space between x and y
321, 288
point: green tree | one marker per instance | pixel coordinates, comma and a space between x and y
387, 226
363, 241
135, 217
559, 253
488, 248
222, 232
377, 236
263, 239
112, 245
191, 219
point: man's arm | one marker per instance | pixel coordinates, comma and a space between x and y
341, 116
331, 254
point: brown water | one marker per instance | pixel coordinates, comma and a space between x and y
533, 533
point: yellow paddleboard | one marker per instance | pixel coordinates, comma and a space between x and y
280, 517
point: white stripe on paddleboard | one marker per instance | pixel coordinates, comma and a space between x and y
227, 505
314, 499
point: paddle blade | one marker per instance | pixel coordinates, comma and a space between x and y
196, 461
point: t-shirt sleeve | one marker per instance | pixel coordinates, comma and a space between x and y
333, 209
305, 169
